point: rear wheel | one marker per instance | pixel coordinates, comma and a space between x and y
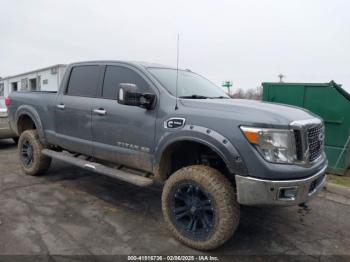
200, 207
32, 161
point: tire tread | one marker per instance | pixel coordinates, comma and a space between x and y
224, 197
41, 162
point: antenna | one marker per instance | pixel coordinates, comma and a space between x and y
177, 70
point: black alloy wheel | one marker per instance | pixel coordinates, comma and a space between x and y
32, 161
27, 153
192, 210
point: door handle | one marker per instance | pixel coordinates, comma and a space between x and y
61, 106
100, 111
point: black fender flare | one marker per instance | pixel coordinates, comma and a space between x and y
33, 114
208, 137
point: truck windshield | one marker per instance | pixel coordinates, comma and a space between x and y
190, 85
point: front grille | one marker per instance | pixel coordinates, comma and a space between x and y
315, 141
298, 144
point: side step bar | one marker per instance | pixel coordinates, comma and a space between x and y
99, 168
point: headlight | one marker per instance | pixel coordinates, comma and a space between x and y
275, 145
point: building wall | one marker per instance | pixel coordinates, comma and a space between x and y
49, 80
46, 80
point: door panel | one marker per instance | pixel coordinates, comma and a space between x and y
73, 123
73, 109
124, 134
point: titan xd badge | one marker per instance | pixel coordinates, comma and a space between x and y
174, 122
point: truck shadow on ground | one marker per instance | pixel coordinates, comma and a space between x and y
261, 230
7, 144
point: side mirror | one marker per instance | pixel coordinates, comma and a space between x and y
128, 94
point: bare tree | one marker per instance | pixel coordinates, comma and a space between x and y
238, 93
251, 93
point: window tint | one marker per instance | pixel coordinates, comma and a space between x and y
115, 75
83, 81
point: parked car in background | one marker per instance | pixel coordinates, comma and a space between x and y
5, 130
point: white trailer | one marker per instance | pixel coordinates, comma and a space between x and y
44, 79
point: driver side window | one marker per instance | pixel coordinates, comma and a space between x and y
114, 75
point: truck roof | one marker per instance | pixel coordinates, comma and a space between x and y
135, 63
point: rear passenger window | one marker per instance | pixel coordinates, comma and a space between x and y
83, 81
115, 75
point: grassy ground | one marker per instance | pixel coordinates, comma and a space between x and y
339, 180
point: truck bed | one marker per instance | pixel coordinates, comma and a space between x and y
41, 102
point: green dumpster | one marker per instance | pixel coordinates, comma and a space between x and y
328, 100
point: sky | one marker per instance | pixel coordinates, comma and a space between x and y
247, 42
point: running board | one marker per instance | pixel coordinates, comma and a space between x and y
99, 168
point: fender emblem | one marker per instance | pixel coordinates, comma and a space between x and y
174, 122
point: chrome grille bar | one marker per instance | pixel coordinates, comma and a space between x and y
309, 136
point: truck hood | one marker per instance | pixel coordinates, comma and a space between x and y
252, 111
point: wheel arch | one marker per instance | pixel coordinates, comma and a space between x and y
28, 118
196, 136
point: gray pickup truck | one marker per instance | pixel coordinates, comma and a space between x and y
142, 123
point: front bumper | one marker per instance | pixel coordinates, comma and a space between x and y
255, 191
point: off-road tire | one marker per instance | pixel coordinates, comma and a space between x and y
219, 188
40, 163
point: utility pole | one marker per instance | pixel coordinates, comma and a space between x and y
227, 84
281, 76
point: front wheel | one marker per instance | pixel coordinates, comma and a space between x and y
200, 207
32, 161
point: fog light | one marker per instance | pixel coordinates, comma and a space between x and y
288, 193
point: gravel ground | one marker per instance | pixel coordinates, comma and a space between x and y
74, 212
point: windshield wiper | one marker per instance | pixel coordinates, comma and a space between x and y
195, 97
204, 97
220, 97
